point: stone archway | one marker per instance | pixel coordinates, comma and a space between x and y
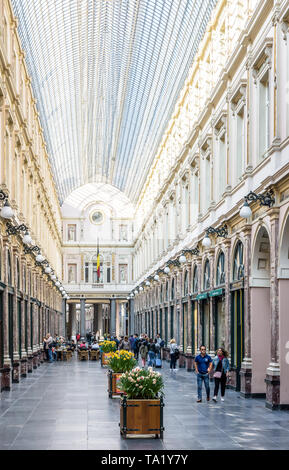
283, 277
260, 311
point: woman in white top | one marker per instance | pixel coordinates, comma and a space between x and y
173, 353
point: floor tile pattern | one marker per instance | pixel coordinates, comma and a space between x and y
64, 405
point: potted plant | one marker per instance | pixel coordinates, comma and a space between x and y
118, 363
141, 408
106, 347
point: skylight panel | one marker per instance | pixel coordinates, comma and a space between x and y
106, 76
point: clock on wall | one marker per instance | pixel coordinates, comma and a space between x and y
96, 217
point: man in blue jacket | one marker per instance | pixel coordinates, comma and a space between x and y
203, 366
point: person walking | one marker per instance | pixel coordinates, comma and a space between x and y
221, 368
131, 342
124, 344
48, 344
143, 350
174, 354
46, 347
203, 366
135, 346
152, 353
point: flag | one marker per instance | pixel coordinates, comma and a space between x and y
98, 262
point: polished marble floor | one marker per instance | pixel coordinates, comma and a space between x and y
65, 405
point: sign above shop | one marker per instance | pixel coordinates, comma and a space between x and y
202, 296
216, 292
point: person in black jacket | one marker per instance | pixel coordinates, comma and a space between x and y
136, 345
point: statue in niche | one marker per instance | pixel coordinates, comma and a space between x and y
71, 274
71, 233
123, 232
123, 273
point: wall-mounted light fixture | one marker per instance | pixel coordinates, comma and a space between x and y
194, 251
220, 232
6, 210
266, 199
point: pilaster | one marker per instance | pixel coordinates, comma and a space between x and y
246, 366
273, 371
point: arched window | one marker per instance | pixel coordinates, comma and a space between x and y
206, 281
9, 269
186, 284
195, 280
173, 289
220, 277
238, 266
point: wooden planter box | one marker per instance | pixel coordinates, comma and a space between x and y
104, 359
113, 378
141, 417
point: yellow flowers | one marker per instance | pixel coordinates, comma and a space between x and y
122, 361
108, 346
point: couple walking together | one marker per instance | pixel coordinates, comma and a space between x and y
204, 364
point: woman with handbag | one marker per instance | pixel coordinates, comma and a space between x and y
221, 372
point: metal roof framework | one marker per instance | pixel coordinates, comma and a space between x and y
106, 75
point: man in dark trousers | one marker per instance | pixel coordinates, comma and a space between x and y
203, 365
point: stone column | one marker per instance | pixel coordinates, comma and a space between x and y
211, 256
82, 318
273, 370
35, 327
23, 370
100, 320
71, 331
246, 366
112, 329
131, 317
95, 318
6, 376
16, 357
29, 347
63, 319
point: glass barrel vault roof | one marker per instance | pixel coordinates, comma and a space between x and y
106, 75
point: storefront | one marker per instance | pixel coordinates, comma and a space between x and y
172, 318
237, 316
205, 326
185, 325
194, 313
219, 318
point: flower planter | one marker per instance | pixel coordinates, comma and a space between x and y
113, 378
140, 416
104, 359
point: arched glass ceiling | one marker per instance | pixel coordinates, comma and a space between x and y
107, 74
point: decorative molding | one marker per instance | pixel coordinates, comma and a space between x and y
262, 59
